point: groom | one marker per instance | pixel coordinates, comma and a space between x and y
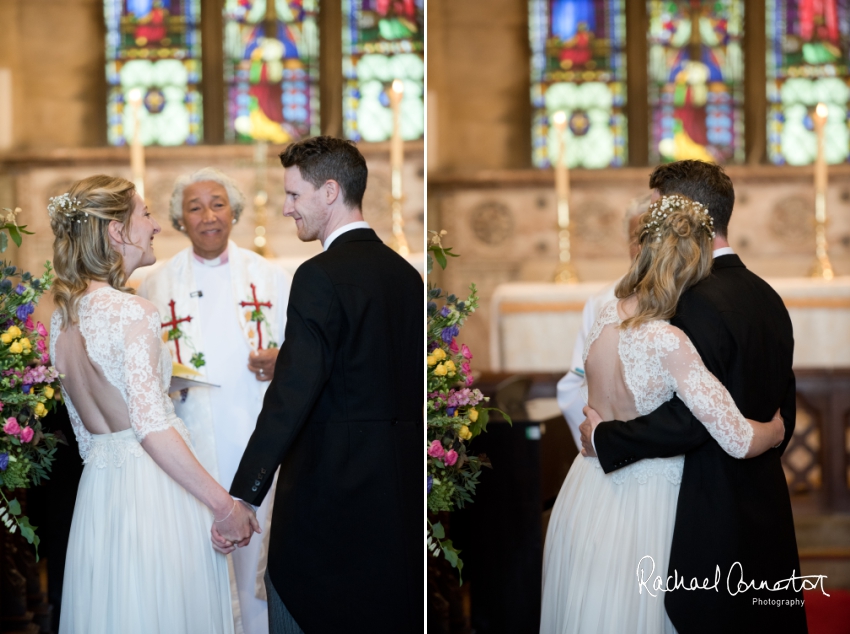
342, 417
732, 514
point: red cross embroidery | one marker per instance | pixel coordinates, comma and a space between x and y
174, 332
257, 314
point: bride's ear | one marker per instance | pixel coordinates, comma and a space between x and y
115, 230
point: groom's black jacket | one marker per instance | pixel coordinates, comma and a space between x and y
343, 417
729, 510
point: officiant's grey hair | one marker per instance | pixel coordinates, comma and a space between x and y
234, 194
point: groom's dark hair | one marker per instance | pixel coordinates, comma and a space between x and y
324, 158
703, 182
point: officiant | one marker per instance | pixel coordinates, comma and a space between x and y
223, 311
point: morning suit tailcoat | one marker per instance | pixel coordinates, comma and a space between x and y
729, 510
343, 418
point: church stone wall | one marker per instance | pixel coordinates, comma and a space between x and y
504, 226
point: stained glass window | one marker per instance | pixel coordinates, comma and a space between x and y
807, 62
382, 40
578, 65
154, 46
271, 51
696, 80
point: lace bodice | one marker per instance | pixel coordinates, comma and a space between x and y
659, 360
122, 336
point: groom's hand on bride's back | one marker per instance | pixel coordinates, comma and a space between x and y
586, 429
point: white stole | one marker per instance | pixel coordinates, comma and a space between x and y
176, 281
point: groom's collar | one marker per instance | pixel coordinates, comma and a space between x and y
351, 226
356, 235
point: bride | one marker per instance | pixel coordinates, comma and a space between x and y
139, 555
609, 536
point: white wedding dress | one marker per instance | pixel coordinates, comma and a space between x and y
603, 525
139, 555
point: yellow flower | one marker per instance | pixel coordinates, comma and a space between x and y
16, 348
473, 414
6, 337
431, 359
465, 433
48, 391
14, 331
440, 370
40, 410
439, 354
450, 366
26, 343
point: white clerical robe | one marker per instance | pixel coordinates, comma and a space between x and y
219, 337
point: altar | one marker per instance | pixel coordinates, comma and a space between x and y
534, 325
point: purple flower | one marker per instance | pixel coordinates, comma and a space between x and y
4, 462
450, 411
430, 478
446, 311
25, 310
450, 333
20, 289
26, 389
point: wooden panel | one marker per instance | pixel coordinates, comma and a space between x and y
212, 69
636, 83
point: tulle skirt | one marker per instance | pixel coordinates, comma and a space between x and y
601, 527
139, 554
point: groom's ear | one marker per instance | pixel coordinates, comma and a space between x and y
332, 191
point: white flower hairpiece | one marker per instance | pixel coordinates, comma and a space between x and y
664, 206
67, 206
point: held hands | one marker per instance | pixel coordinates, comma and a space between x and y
586, 428
235, 530
261, 363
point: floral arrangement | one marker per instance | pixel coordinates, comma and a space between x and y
29, 386
455, 411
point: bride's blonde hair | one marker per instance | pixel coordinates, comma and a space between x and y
82, 251
676, 237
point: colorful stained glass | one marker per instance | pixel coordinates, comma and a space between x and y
271, 51
154, 46
382, 40
696, 80
578, 65
808, 61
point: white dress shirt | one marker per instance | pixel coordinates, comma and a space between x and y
357, 224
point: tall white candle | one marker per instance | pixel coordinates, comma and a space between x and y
137, 150
396, 143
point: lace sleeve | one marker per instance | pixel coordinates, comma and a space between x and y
148, 404
706, 397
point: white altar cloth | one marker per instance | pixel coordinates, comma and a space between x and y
534, 325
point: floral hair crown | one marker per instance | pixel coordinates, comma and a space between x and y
67, 206
664, 206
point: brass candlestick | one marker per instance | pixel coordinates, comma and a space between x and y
565, 273
822, 267
261, 198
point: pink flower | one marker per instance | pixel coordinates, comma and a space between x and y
45, 358
466, 367
1, 406
451, 458
453, 346
466, 352
469, 380
28, 323
26, 434
41, 329
41, 346
11, 427
436, 449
